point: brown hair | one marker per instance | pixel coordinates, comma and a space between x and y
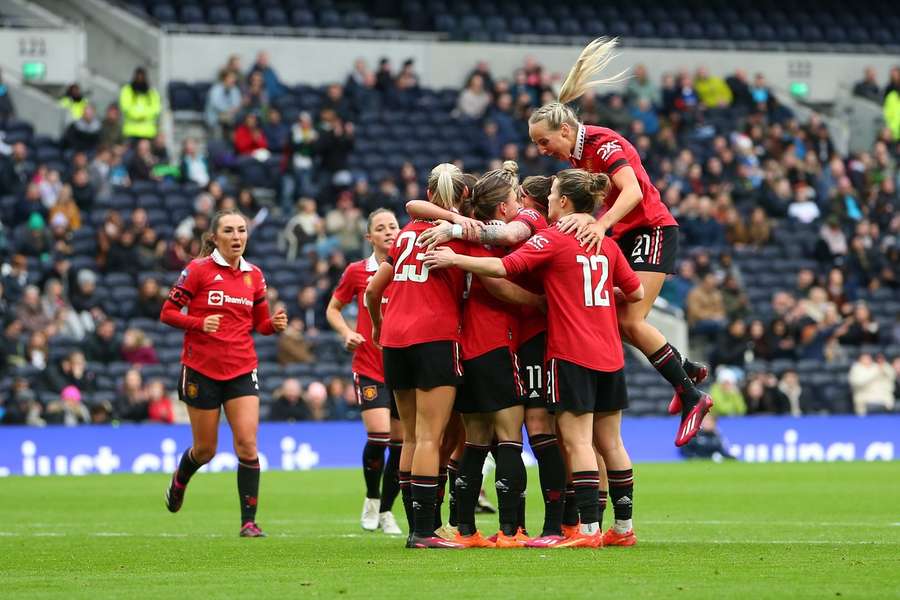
375, 213
207, 244
493, 188
538, 188
584, 189
446, 184
592, 60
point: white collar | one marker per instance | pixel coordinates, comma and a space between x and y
579, 143
371, 264
219, 260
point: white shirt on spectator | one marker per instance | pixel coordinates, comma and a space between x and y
806, 211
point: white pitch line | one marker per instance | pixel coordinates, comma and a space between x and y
110, 534
776, 542
766, 522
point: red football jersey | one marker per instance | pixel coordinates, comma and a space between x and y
531, 320
487, 321
209, 286
602, 150
582, 327
366, 358
425, 306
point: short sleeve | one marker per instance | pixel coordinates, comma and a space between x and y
535, 220
185, 286
532, 255
624, 276
344, 291
612, 156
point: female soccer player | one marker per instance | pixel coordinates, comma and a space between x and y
586, 378
225, 297
379, 411
422, 363
640, 223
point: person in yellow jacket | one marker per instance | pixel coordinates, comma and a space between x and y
140, 106
74, 101
712, 91
892, 112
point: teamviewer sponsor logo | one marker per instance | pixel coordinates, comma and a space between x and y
218, 298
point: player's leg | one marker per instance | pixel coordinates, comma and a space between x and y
551, 466
390, 484
452, 434
608, 438
205, 434
663, 356
242, 413
377, 422
406, 408
510, 479
479, 430
604, 481
577, 428
452, 474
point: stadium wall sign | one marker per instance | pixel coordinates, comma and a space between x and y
301, 446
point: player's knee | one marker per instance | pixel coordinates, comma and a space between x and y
538, 425
608, 445
631, 327
203, 454
245, 448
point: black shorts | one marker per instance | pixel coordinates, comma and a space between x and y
491, 383
651, 249
197, 390
373, 394
531, 371
423, 366
578, 389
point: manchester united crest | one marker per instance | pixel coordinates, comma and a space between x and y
192, 389
369, 393
248, 281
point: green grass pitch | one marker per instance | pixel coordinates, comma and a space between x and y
705, 531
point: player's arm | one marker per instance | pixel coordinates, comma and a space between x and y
374, 293
352, 339
630, 196
180, 296
505, 234
443, 257
263, 322
507, 291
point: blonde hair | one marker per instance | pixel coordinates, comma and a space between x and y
592, 60
375, 213
585, 190
493, 188
446, 184
207, 243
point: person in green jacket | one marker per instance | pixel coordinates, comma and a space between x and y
140, 106
892, 112
727, 398
712, 91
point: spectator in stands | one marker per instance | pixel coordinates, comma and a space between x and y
702, 229
735, 300
342, 398
38, 350
292, 347
30, 204
122, 255
303, 229
71, 371
832, 242
30, 312
83, 135
614, 114
159, 406
732, 346
298, 161
336, 140
131, 401
273, 86
310, 310
103, 345
69, 410
15, 278
249, 137
705, 308
289, 404
74, 102
255, 98
111, 126
316, 400
194, 166
180, 250
137, 348
49, 183
490, 142
336, 101
140, 106
7, 108
859, 328
150, 298
33, 238
676, 288
862, 263
276, 130
59, 311
712, 91
762, 396
640, 87
15, 170
233, 66
142, 163
643, 112
67, 208
474, 99
763, 99
790, 386
728, 401
873, 383
804, 208
223, 102
83, 191
346, 223
384, 77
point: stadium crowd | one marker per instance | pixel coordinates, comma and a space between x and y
789, 273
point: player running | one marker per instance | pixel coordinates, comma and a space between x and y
422, 362
586, 379
225, 297
641, 224
379, 410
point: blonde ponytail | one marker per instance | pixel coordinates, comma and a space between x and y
207, 245
446, 184
592, 60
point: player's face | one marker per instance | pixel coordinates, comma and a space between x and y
551, 143
555, 208
231, 236
507, 210
384, 231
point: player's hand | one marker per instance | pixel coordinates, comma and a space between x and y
575, 223
279, 321
433, 236
619, 295
376, 335
353, 340
592, 238
211, 323
471, 228
440, 258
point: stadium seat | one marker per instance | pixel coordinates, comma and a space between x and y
164, 13
219, 15
275, 16
191, 14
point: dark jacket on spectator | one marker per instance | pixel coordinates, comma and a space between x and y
284, 410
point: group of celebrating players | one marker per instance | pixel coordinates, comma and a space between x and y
500, 305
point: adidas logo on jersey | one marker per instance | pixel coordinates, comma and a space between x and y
638, 259
218, 277
534, 394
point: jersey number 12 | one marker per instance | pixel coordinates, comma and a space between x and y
594, 296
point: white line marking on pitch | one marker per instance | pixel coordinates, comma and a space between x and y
776, 523
110, 534
778, 542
